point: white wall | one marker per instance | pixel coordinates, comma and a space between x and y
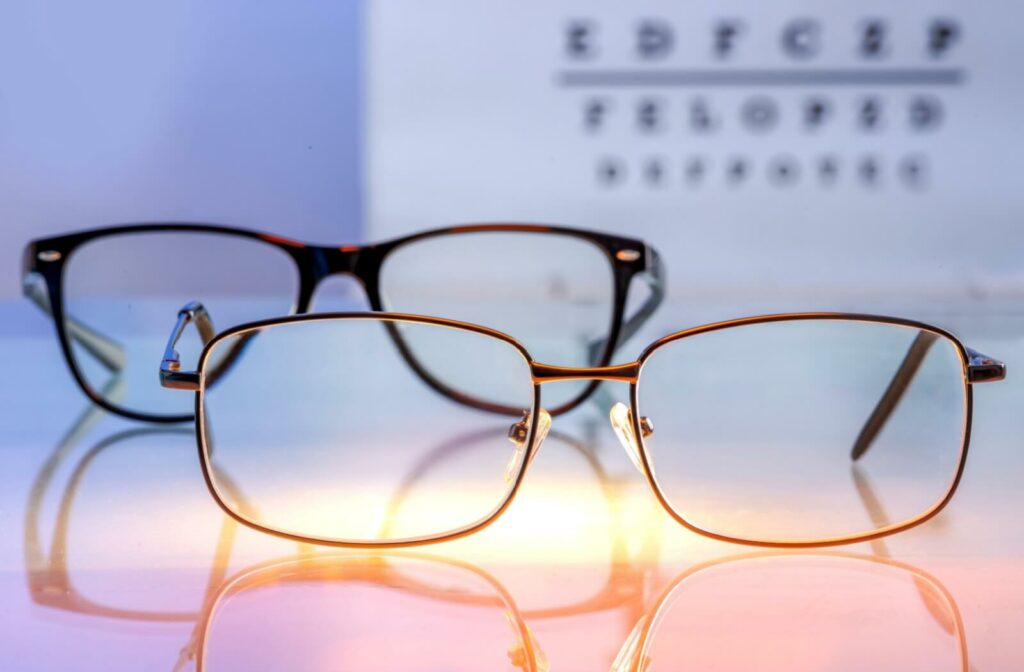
469, 119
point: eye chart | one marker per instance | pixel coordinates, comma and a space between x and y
824, 147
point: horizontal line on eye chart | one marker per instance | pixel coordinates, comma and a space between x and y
764, 77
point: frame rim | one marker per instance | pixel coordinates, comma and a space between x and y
622, 273
633, 380
235, 585
677, 583
314, 263
449, 535
826, 542
53, 273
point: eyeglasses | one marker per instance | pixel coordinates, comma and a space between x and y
799, 611
152, 457
787, 607
562, 291
752, 431
322, 603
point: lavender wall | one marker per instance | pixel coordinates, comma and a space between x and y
116, 111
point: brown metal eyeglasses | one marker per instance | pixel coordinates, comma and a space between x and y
752, 430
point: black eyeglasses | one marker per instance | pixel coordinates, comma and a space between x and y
561, 291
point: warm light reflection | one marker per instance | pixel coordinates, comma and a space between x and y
602, 527
310, 613
566, 523
822, 611
124, 549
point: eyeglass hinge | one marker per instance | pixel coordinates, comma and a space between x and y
983, 369
178, 380
171, 375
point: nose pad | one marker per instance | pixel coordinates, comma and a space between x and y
519, 432
622, 422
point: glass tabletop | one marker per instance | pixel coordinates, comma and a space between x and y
113, 555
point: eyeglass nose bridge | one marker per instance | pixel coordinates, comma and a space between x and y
623, 373
620, 416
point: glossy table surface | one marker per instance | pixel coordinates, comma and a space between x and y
113, 556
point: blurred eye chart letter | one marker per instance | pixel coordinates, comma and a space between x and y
860, 147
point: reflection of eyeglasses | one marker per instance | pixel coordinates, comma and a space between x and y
415, 584
51, 583
758, 421
661, 639
447, 614
787, 610
562, 290
54, 583
622, 587
799, 611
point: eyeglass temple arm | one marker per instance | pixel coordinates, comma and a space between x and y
654, 276
171, 375
930, 596
980, 369
106, 350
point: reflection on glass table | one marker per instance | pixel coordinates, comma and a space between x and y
379, 612
492, 615
823, 610
56, 580
346, 611
800, 612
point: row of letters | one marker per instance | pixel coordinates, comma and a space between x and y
761, 114
783, 171
801, 39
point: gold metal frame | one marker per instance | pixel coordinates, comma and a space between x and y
634, 657
976, 368
375, 570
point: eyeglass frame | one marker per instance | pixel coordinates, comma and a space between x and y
45, 259
976, 368
633, 656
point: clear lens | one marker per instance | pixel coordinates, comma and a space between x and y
324, 431
792, 613
389, 614
128, 288
554, 293
754, 427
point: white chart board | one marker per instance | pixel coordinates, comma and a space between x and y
824, 147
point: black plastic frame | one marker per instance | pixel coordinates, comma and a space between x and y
628, 258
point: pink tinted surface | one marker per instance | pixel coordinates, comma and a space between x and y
114, 557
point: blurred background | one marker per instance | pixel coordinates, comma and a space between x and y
828, 148
238, 113
821, 148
